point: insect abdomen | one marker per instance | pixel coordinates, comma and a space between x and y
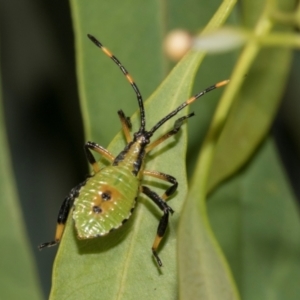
106, 200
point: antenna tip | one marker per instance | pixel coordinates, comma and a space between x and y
222, 83
94, 40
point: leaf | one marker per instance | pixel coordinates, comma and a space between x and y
252, 114
204, 273
255, 106
122, 262
133, 33
203, 270
255, 219
17, 271
121, 265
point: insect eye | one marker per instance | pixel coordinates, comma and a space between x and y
106, 196
97, 209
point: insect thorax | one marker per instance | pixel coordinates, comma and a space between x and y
133, 155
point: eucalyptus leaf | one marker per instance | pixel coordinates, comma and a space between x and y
121, 263
255, 218
258, 100
252, 114
132, 31
204, 272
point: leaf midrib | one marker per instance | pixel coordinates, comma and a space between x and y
137, 222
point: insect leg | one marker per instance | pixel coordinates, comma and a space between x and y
62, 218
178, 123
163, 223
90, 157
171, 190
126, 125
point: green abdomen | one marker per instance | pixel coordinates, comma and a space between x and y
105, 201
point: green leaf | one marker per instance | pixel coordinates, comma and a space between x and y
17, 271
252, 114
121, 265
204, 273
255, 219
132, 31
203, 269
256, 103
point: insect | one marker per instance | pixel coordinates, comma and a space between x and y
106, 199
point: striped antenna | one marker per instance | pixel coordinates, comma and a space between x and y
186, 103
130, 80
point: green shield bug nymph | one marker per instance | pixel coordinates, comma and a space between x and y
106, 199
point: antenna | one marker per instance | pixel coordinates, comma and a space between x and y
130, 80
186, 103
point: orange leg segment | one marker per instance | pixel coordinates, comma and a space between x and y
126, 125
99, 149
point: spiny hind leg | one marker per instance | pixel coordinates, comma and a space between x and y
178, 123
126, 125
163, 223
99, 149
62, 218
166, 177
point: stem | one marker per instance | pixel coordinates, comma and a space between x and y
287, 40
247, 57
